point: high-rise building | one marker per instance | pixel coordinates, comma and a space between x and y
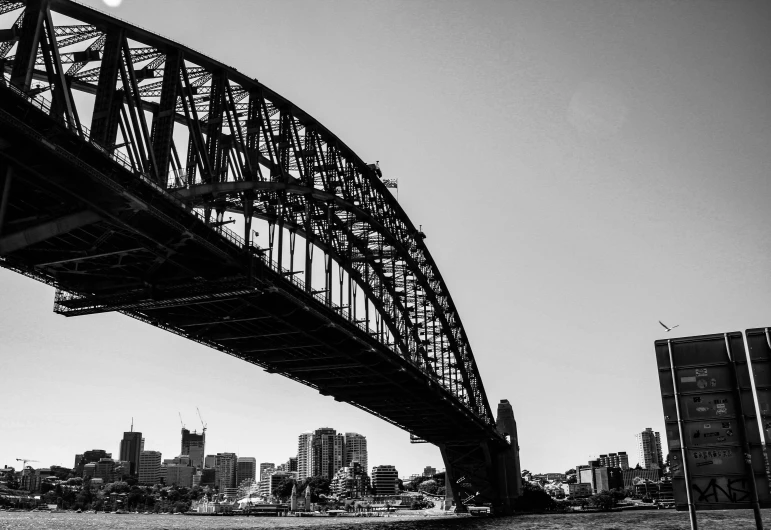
131, 448
620, 460
209, 461
266, 468
355, 450
193, 445
149, 468
291, 465
649, 449
304, 455
429, 471
384, 480
225, 470
246, 469
327, 452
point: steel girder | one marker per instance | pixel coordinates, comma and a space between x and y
270, 159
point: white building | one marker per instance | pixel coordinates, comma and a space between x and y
304, 455
384, 480
356, 450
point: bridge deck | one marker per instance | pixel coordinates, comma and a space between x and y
111, 241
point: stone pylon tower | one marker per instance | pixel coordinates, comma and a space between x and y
485, 471
509, 472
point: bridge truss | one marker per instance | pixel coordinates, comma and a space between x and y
136, 223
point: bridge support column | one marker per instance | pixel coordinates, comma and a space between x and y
485, 472
506, 461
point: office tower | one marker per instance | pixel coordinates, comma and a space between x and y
193, 445
131, 448
304, 455
355, 450
291, 465
429, 471
180, 475
246, 468
225, 470
649, 448
326, 452
620, 460
209, 461
149, 468
384, 480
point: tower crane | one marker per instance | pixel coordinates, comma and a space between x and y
201, 418
180, 420
24, 462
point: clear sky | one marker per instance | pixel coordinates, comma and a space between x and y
582, 169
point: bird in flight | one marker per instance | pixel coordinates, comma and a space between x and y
667, 327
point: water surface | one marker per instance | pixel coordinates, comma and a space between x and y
651, 520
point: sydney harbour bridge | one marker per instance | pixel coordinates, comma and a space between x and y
123, 158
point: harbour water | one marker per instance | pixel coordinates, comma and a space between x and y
651, 520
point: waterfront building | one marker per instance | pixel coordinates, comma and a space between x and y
649, 449
246, 469
385, 480
225, 470
193, 445
131, 448
620, 460
350, 481
356, 450
149, 468
327, 452
304, 455
429, 471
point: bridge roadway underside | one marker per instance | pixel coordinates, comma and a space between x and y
110, 241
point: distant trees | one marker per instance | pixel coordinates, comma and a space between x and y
428, 486
318, 486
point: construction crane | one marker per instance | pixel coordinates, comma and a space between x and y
24, 462
180, 420
202, 423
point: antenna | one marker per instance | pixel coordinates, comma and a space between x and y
132, 423
201, 418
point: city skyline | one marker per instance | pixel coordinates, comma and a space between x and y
581, 171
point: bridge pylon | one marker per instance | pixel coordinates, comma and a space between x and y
485, 472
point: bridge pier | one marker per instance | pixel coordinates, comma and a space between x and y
487, 471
